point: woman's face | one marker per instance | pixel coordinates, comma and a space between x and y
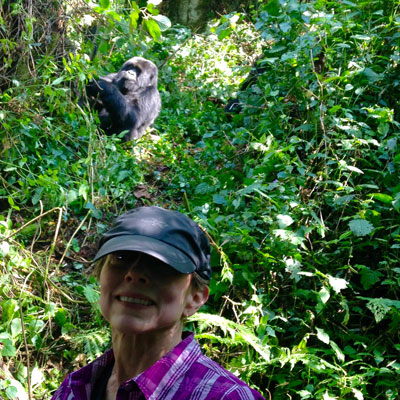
139, 293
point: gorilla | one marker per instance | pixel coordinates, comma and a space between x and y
127, 100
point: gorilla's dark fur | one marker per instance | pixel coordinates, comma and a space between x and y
127, 99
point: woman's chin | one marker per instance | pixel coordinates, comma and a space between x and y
129, 326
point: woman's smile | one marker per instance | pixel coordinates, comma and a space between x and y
136, 299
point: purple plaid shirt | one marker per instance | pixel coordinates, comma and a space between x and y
183, 373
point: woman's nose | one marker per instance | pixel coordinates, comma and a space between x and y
136, 274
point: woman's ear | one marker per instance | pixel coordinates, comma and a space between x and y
195, 299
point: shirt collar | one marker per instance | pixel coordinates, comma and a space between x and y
162, 375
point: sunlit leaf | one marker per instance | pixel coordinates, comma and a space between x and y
163, 22
337, 350
152, 27
384, 198
337, 283
293, 267
133, 21
105, 4
324, 294
357, 394
4, 248
9, 308
327, 396
322, 335
354, 169
284, 220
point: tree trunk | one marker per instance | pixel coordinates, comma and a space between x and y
196, 13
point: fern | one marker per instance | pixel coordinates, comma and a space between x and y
93, 342
239, 334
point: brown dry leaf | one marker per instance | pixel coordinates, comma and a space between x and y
142, 192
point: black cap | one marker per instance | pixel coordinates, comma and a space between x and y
169, 236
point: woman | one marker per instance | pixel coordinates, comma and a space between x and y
154, 268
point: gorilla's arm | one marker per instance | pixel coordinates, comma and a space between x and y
121, 111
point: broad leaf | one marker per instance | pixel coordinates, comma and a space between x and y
361, 227
337, 283
322, 335
163, 22
152, 27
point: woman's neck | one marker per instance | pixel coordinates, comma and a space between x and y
135, 353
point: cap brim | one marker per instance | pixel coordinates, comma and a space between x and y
160, 250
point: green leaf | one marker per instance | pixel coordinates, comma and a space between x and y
133, 20
9, 308
272, 7
105, 4
337, 350
135, 7
163, 22
72, 195
219, 199
379, 308
83, 191
239, 333
57, 81
95, 212
60, 317
6, 345
224, 33
384, 198
324, 295
152, 9
151, 26
122, 175
37, 195
15, 390
369, 277
202, 188
361, 227
396, 202
371, 75
16, 327
322, 335
91, 295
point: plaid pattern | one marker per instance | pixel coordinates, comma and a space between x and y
183, 373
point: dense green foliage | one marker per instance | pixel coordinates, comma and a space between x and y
299, 192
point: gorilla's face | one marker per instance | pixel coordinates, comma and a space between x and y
136, 73
127, 79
